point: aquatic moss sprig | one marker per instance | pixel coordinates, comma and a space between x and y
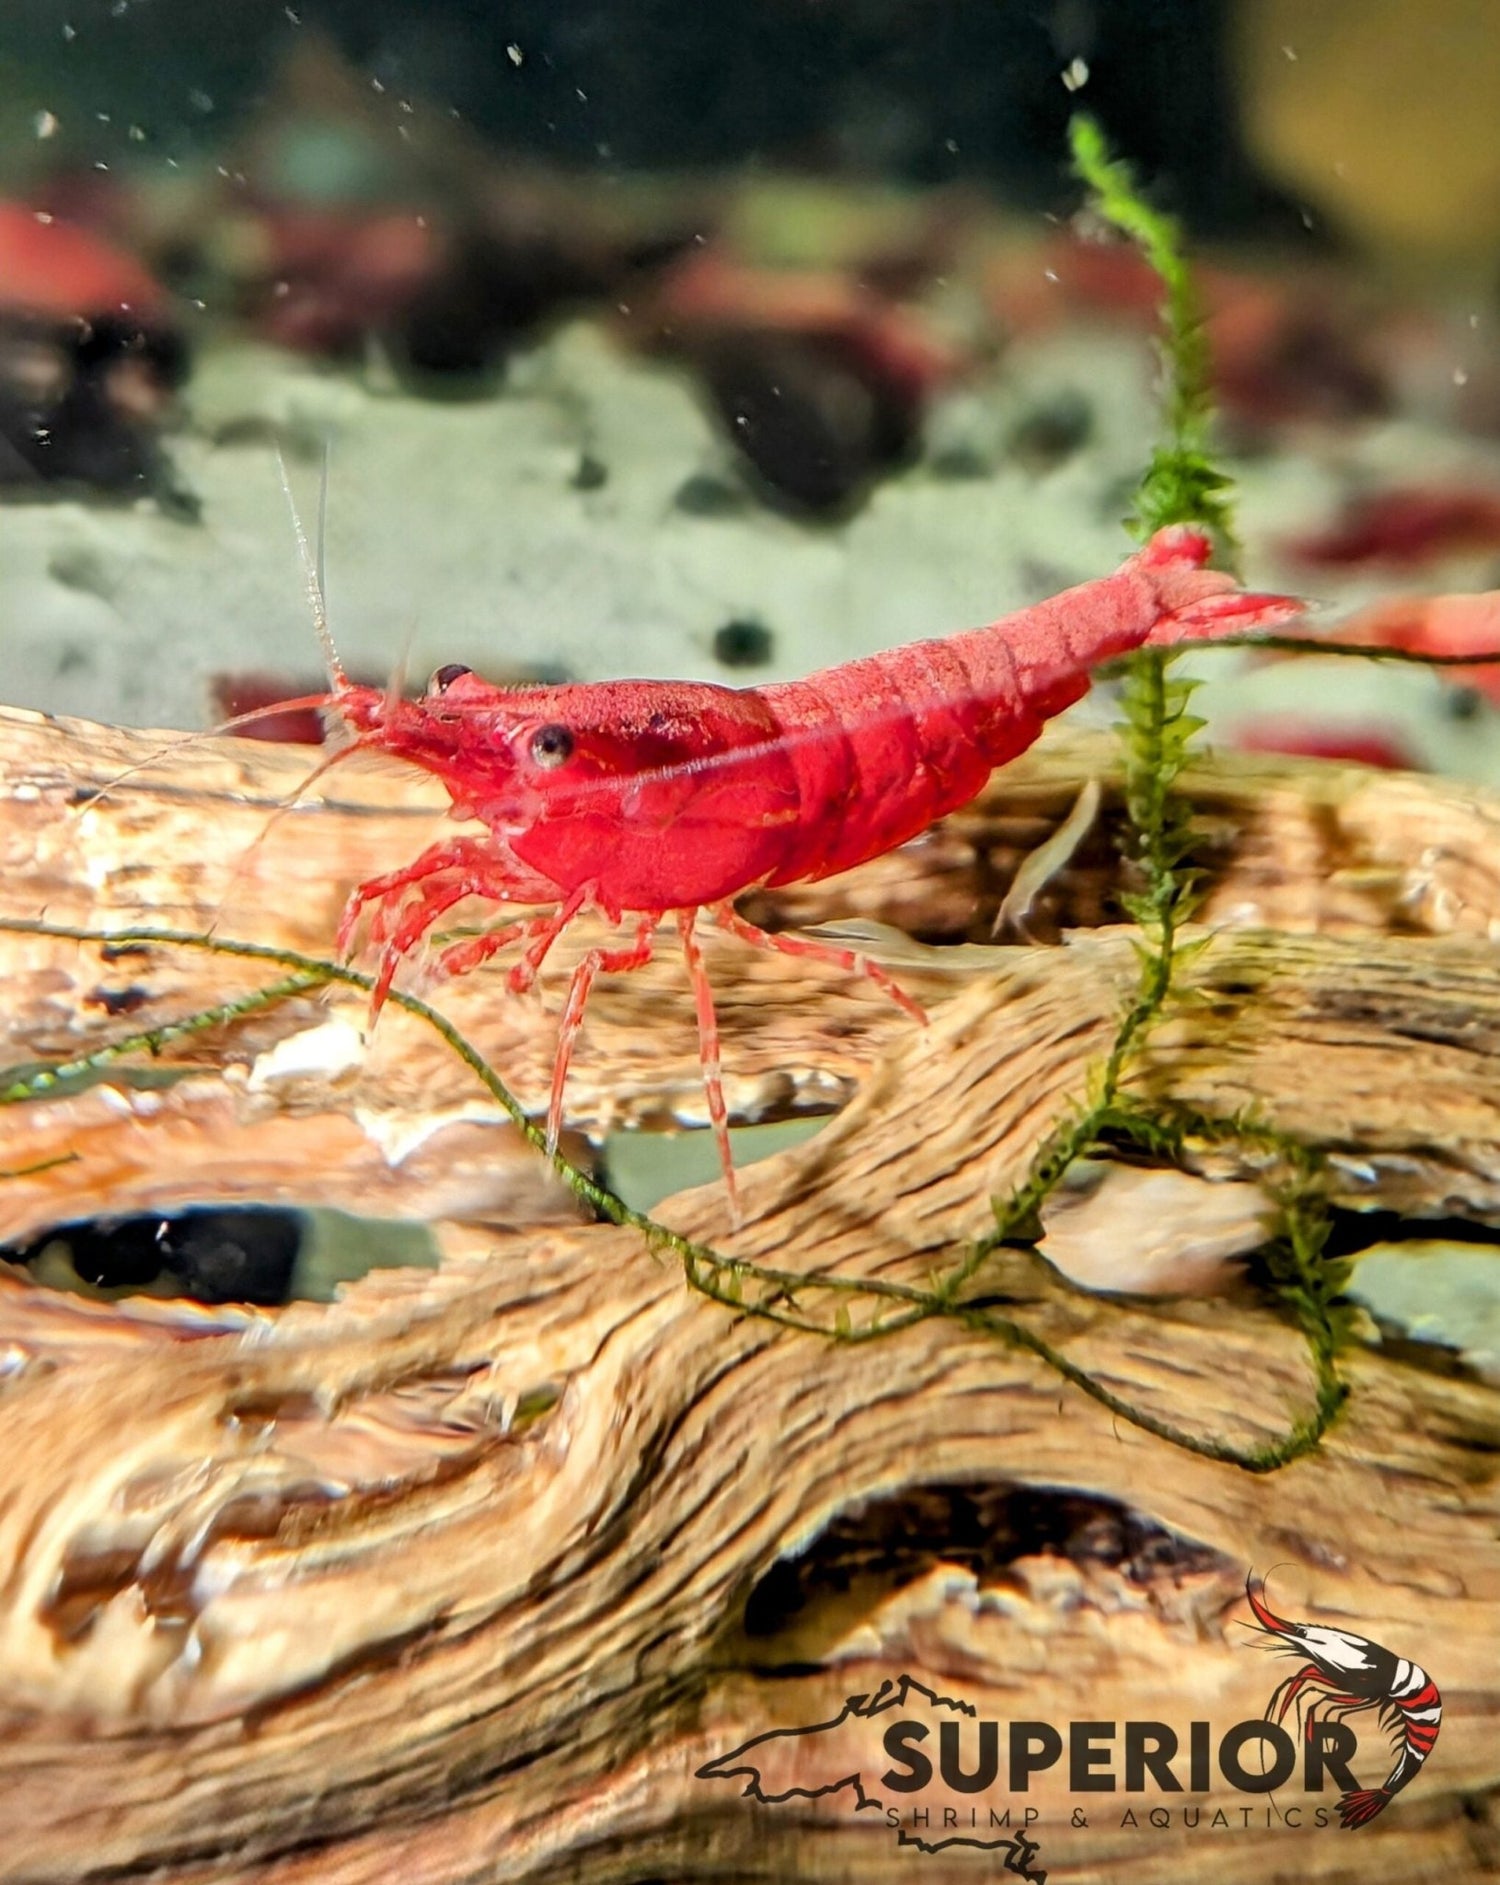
736, 1283
1307, 1280
69, 1075
1182, 483
1158, 730
1293, 1262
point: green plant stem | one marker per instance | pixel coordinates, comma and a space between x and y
41, 1165
723, 1279
153, 1040
1181, 485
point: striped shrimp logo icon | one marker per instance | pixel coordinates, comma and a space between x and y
1342, 1675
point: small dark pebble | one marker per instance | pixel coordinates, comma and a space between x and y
703, 495
82, 425
743, 644
590, 473
959, 464
83, 570
244, 1255
1039, 576
249, 429
1052, 432
174, 499
815, 426
1116, 499
73, 659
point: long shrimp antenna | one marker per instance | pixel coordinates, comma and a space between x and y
312, 576
395, 686
324, 480
312, 567
248, 854
186, 740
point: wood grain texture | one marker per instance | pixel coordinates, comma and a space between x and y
463, 1576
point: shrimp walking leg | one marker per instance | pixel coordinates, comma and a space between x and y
446, 875
789, 944
708, 1051
474, 857
611, 962
547, 932
436, 899
460, 957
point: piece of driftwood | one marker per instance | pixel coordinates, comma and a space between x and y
466, 1575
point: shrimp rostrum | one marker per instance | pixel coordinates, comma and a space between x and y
642, 800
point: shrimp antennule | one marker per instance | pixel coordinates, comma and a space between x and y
312, 569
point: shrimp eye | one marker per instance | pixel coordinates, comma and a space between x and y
445, 677
551, 746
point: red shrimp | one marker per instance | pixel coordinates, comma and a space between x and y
1436, 625
1360, 742
1404, 527
643, 799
